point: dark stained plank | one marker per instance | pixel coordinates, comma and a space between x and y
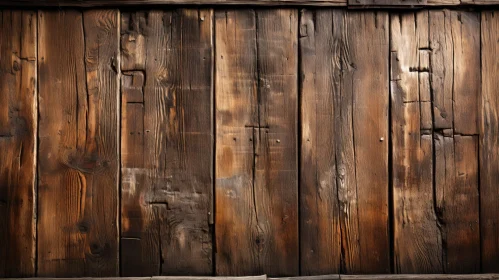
421, 277
256, 151
489, 142
167, 142
417, 236
101, 3
78, 149
18, 125
365, 81
455, 76
321, 49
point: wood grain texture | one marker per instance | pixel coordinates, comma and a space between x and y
344, 173
78, 134
256, 152
387, 3
455, 76
417, 236
489, 142
321, 49
104, 3
18, 124
365, 81
167, 142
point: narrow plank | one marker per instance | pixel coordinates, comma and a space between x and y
417, 236
78, 170
18, 125
167, 142
455, 86
421, 277
321, 49
489, 142
103, 3
256, 151
390, 3
366, 83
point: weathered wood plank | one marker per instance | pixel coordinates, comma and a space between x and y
489, 142
78, 150
365, 81
455, 76
387, 3
256, 151
421, 277
167, 142
103, 3
321, 49
18, 125
417, 236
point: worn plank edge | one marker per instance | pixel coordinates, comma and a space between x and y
319, 3
318, 277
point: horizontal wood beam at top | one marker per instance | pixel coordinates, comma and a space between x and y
356, 4
318, 277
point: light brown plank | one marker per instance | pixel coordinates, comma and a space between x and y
256, 151
489, 142
321, 49
167, 142
18, 125
417, 236
389, 3
78, 151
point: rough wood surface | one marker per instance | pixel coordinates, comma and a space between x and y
78, 148
489, 142
417, 236
256, 151
321, 48
167, 142
18, 124
365, 84
455, 76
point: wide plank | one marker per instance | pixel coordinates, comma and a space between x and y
455, 87
167, 142
256, 145
78, 143
18, 128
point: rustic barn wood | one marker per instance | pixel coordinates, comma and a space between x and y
489, 142
322, 46
338, 77
167, 142
256, 152
455, 45
78, 143
417, 236
18, 126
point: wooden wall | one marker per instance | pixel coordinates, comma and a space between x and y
272, 141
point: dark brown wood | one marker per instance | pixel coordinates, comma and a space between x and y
167, 142
321, 52
18, 124
103, 3
78, 149
388, 3
455, 45
417, 236
489, 143
256, 151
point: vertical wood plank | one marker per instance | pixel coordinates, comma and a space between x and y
256, 151
321, 49
18, 124
489, 142
78, 170
455, 76
167, 142
417, 236
367, 81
